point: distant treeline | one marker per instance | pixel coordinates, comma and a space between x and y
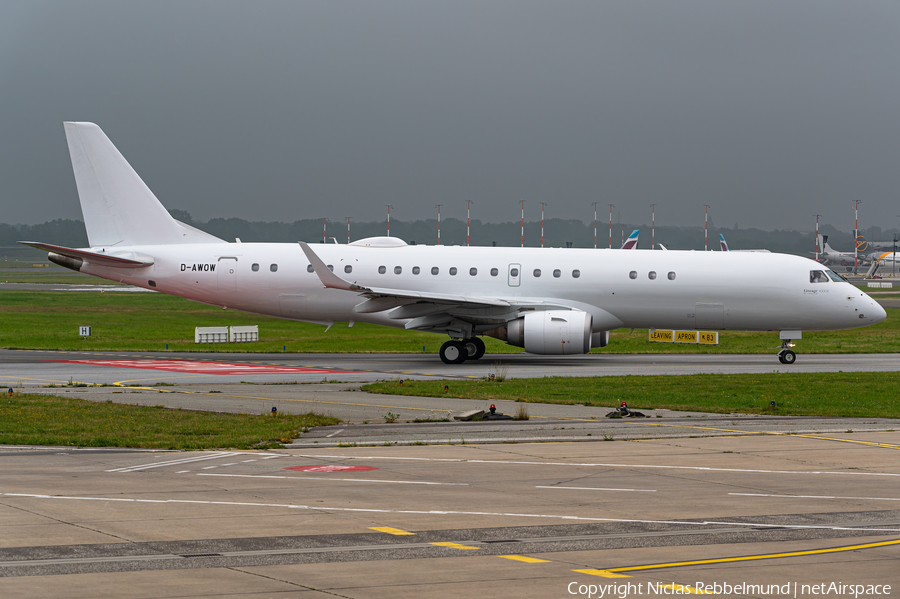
557, 233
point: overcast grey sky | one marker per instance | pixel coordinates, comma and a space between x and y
769, 111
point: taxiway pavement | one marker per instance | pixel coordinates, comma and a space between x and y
518, 521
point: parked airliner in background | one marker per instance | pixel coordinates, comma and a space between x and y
632, 242
549, 301
829, 255
723, 245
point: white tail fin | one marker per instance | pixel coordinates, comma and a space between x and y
824, 247
118, 208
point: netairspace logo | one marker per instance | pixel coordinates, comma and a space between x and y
790, 589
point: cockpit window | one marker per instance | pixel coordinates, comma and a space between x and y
834, 276
817, 276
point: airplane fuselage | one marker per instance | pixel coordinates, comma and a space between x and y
619, 288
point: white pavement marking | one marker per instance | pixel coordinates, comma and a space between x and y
817, 497
182, 471
174, 462
334, 433
595, 464
443, 512
598, 489
352, 480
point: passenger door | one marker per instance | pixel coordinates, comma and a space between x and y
226, 276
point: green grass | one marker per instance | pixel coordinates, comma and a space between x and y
148, 321
867, 394
29, 419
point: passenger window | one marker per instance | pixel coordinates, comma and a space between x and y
254, 267
382, 270
671, 276
537, 272
348, 269
652, 274
398, 270
452, 271
557, 273
514, 272
309, 268
415, 270
331, 267
494, 272
435, 270
576, 273
817, 276
473, 271
632, 274
273, 267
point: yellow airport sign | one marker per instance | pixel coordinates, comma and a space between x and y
686, 336
708, 338
663, 336
666, 336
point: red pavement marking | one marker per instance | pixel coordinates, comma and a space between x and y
331, 468
199, 367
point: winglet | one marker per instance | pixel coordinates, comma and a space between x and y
328, 278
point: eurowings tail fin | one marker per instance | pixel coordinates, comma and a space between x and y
632, 241
118, 208
723, 245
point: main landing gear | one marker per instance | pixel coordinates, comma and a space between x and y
458, 351
785, 355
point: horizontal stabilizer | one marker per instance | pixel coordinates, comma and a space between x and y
124, 259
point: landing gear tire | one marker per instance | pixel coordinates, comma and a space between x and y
787, 357
453, 352
474, 348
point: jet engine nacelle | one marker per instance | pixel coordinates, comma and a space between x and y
552, 332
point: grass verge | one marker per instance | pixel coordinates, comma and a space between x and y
149, 321
865, 394
31, 419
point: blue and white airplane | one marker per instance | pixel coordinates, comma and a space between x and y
547, 300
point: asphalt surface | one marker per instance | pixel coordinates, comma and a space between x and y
45, 367
367, 509
517, 520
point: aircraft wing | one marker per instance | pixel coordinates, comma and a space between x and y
414, 303
100, 259
333, 281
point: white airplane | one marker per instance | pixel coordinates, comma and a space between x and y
829, 255
884, 256
549, 301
